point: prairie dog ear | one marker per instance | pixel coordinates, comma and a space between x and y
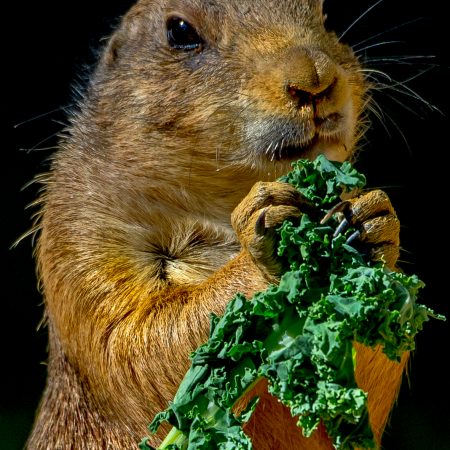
126, 32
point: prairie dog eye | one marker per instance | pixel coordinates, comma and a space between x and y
181, 35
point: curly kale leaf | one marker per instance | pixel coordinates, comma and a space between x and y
299, 334
322, 181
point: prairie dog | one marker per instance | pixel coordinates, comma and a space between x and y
148, 214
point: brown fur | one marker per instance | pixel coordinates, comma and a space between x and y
136, 245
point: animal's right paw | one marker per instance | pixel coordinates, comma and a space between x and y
266, 206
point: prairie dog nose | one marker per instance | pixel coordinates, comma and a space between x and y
310, 75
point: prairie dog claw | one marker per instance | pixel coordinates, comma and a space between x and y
340, 207
376, 223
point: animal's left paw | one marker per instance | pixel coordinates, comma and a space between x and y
376, 223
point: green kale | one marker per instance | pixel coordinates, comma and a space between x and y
299, 334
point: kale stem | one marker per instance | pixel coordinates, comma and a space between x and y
175, 436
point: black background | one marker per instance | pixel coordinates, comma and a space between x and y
47, 46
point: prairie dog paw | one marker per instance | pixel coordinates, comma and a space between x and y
266, 206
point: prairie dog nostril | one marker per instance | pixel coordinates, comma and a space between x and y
310, 75
326, 92
301, 96
304, 95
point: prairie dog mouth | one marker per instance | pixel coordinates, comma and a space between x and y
333, 149
285, 141
289, 151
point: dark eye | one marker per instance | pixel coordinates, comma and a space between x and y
181, 35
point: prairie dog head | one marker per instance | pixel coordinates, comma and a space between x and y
206, 92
